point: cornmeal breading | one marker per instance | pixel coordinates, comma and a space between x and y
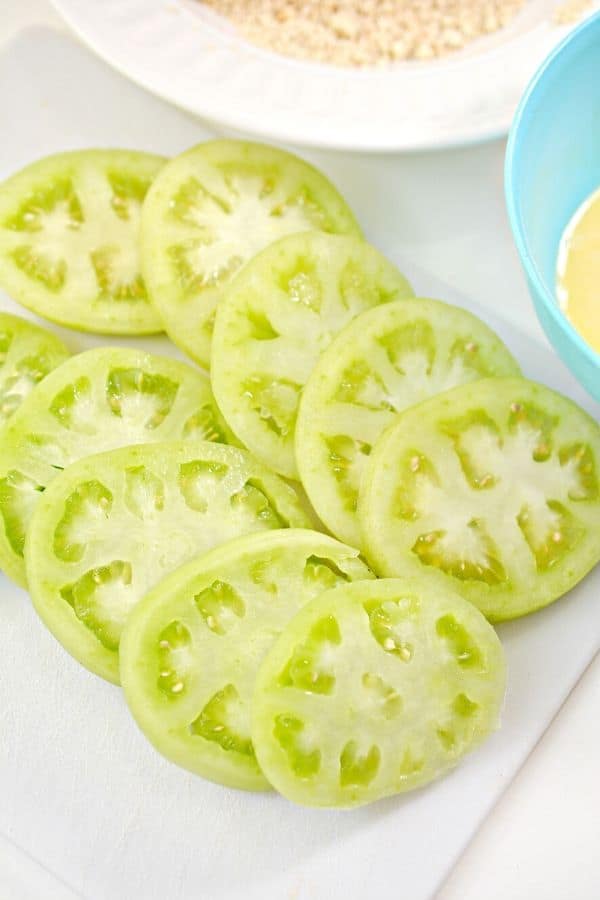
366, 32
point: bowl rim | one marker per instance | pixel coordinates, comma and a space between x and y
520, 120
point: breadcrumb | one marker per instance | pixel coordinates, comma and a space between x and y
570, 11
366, 32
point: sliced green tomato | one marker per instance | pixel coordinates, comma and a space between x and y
373, 689
192, 647
97, 400
210, 211
111, 526
495, 486
277, 317
69, 240
387, 359
27, 354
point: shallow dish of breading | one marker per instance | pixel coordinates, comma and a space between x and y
424, 94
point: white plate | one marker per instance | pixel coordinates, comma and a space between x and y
181, 51
83, 796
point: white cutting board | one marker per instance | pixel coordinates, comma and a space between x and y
87, 807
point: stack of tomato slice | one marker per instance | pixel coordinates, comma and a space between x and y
170, 524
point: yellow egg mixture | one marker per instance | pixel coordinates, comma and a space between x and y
578, 271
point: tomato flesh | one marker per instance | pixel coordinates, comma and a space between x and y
387, 359
192, 647
211, 210
27, 354
111, 526
69, 228
97, 400
373, 689
277, 317
494, 485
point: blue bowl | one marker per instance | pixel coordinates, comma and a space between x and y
552, 166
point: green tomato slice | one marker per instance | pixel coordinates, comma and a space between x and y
69, 228
97, 400
27, 354
210, 211
389, 358
277, 317
112, 525
192, 647
493, 485
375, 688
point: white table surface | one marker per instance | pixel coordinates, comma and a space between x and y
541, 841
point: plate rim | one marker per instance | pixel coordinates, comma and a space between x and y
347, 139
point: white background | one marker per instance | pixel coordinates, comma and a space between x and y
542, 840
